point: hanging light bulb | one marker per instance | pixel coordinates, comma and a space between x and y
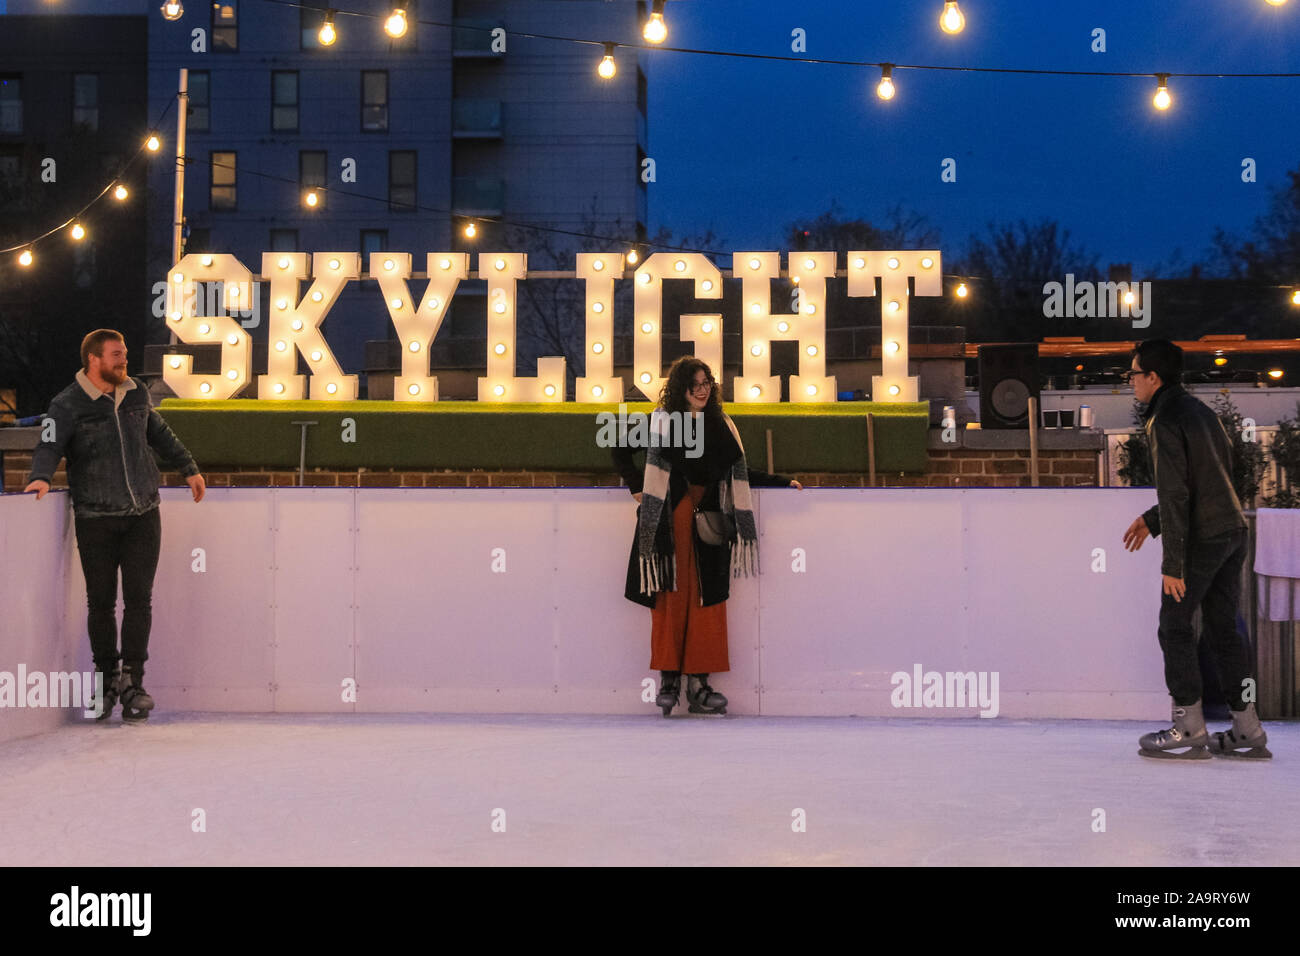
632, 258
1162, 99
152, 143
470, 231
607, 69
395, 25
310, 199
952, 20
962, 291
25, 257
1295, 297
655, 31
121, 192
1276, 3
885, 88
327, 34
78, 231
172, 10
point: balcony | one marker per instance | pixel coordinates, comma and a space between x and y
472, 37
476, 119
478, 195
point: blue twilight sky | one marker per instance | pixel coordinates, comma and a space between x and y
747, 147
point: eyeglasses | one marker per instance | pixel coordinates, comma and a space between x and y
1127, 376
696, 386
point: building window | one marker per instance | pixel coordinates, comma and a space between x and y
11, 164
372, 241
310, 19
284, 240
222, 194
311, 172
85, 100
284, 101
11, 104
225, 26
200, 117
401, 180
374, 101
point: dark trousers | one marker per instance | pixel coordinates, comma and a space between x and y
1213, 578
132, 544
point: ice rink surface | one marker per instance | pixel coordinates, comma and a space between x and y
596, 790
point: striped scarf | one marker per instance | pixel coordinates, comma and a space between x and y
658, 557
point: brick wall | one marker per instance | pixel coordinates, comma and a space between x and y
957, 468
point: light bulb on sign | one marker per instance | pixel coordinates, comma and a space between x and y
607, 68
952, 20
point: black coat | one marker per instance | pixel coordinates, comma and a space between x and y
714, 562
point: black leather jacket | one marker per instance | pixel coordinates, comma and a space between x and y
1191, 456
109, 442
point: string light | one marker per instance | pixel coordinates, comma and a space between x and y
310, 199
470, 231
78, 231
172, 10
121, 192
952, 20
1275, 3
25, 257
632, 260
1162, 99
655, 30
152, 143
395, 25
962, 291
885, 88
607, 69
1295, 297
327, 34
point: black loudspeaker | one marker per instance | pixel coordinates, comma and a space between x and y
1008, 379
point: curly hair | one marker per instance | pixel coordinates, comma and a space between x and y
672, 397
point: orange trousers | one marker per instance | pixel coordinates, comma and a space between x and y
684, 636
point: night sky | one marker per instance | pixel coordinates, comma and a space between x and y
748, 147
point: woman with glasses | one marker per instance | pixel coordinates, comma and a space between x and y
691, 495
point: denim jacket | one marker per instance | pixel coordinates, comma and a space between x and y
109, 442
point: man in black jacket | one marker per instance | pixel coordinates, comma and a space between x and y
106, 427
1204, 531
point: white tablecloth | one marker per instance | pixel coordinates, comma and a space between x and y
1277, 562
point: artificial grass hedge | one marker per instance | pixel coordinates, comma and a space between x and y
525, 436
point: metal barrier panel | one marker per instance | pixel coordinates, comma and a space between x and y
36, 635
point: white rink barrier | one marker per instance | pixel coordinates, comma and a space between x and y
511, 601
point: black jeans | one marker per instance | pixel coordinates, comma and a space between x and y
131, 543
1213, 578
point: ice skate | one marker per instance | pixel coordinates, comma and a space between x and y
1188, 732
1245, 740
111, 681
702, 698
670, 686
136, 702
